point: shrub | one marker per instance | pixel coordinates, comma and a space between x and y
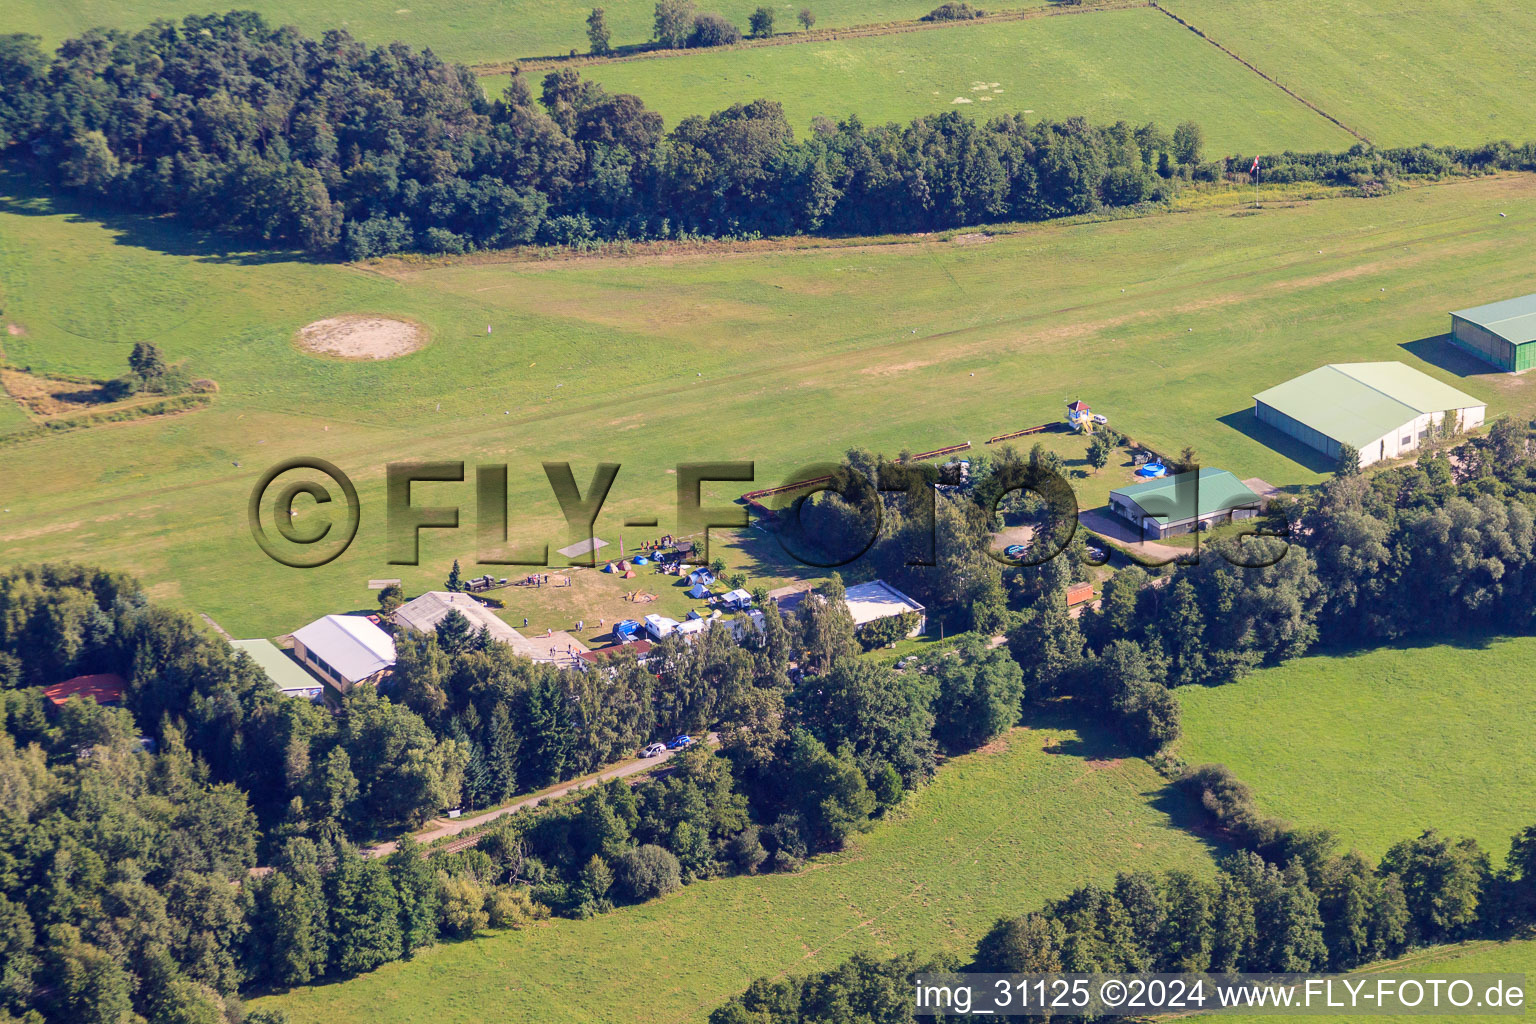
463, 906
713, 30
647, 872
512, 908
761, 22
887, 631
953, 11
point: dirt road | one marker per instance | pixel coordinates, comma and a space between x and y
444, 828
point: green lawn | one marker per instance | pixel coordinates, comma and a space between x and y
1401, 73
780, 355
470, 31
1517, 957
1382, 745
999, 832
1139, 65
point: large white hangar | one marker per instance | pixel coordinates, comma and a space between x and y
1383, 410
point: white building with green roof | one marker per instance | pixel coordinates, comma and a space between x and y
1382, 410
1184, 502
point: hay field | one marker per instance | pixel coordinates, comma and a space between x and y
1137, 65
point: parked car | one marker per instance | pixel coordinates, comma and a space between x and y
680, 742
654, 750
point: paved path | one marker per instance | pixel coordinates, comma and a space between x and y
1111, 527
444, 828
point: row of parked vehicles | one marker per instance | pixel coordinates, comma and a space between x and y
682, 741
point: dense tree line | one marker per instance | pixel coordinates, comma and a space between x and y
119, 890
1334, 913
153, 815
337, 148
334, 147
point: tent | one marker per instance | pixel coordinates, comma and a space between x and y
582, 547
701, 575
698, 591
608, 567
642, 560
629, 574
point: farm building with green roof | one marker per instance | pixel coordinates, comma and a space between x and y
1500, 333
1184, 502
1382, 410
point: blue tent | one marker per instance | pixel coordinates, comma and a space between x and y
698, 591
641, 560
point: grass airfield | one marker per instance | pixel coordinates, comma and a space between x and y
778, 354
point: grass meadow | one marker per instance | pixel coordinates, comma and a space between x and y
468, 31
1384, 744
1400, 73
780, 355
1518, 957
999, 832
1104, 65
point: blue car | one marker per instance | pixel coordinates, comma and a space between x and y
680, 742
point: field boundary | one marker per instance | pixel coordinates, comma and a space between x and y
1260, 72
879, 28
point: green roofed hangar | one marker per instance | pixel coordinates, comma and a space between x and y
1500, 333
1184, 502
1382, 410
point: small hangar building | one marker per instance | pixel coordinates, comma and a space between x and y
1502, 334
1184, 502
1383, 410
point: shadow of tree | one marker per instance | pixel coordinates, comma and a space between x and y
1090, 742
26, 195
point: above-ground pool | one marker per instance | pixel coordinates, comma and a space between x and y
1153, 469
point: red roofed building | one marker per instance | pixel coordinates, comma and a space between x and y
105, 688
639, 648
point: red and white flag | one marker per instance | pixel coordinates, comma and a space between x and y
1255, 168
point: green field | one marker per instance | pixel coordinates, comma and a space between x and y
999, 832
1382, 745
1400, 73
1517, 957
469, 31
781, 355
1138, 65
